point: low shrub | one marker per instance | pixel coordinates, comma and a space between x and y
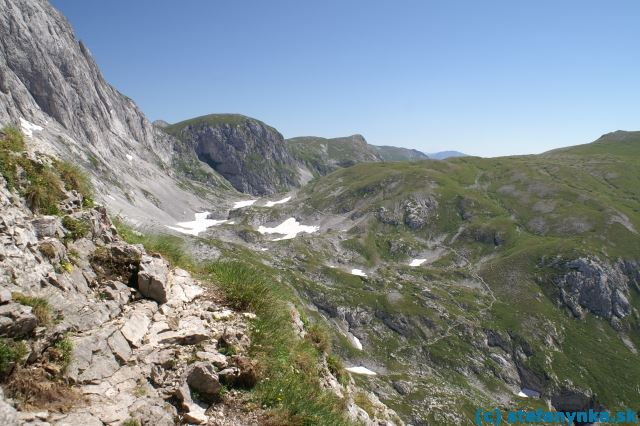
11, 353
76, 228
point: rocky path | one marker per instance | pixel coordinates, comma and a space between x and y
125, 337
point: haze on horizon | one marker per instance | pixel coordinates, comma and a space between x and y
486, 78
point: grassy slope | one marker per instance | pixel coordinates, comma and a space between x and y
325, 155
534, 203
394, 153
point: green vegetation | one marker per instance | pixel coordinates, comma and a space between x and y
76, 228
40, 307
75, 179
64, 346
289, 382
11, 353
40, 183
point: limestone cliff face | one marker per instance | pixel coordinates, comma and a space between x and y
249, 154
51, 87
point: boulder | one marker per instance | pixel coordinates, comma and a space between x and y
8, 414
16, 320
48, 226
203, 379
153, 279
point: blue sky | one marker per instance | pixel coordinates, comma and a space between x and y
491, 77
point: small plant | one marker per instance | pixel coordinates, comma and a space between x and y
13, 139
43, 192
48, 249
76, 228
75, 179
11, 353
65, 348
40, 307
336, 367
67, 267
319, 337
140, 391
131, 422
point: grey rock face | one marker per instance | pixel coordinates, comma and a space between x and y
419, 210
49, 79
8, 414
16, 320
153, 278
252, 156
597, 287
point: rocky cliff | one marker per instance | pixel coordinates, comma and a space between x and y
94, 330
51, 88
249, 154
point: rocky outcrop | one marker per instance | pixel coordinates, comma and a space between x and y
51, 87
414, 212
249, 154
591, 285
118, 324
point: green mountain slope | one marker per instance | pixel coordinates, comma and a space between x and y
394, 153
530, 278
322, 156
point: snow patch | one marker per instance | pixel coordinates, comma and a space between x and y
361, 370
129, 157
197, 226
241, 204
528, 393
273, 203
357, 343
417, 262
264, 249
290, 228
358, 272
28, 127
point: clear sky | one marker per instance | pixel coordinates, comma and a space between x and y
487, 77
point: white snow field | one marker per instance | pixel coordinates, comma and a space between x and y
358, 272
241, 204
290, 228
417, 262
273, 203
361, 370
197, 226
28, 127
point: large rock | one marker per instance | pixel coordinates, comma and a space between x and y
202, 378
252, 156
48, 226
595, 286
16, 320
8, 414
153, 279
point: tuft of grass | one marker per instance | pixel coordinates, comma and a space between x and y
76, 228
12, 139
75, 179
44, 190
319, 337
244, 288
336, 367
40, 307
131, 422
11, 353
65, 348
